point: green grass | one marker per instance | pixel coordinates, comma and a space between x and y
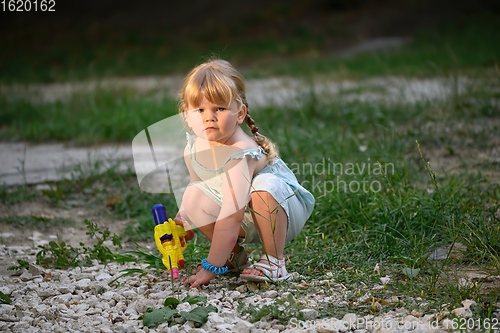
101, 116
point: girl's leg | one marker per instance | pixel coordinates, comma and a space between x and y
271, 223
202, 212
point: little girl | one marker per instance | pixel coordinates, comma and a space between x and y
240, 191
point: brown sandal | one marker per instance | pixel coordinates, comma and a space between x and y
238, 260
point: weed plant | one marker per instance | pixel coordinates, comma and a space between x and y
63, 255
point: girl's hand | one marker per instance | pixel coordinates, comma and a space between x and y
180, 221
202, 277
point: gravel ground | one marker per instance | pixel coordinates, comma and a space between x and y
80, 300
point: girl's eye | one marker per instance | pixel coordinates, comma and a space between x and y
221, 109
198, 110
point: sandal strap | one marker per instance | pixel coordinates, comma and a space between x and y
273, 260
275, 267
238, 259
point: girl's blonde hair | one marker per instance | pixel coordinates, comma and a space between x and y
219, 82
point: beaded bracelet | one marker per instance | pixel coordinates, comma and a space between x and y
213, 269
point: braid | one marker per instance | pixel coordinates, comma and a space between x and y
264, 142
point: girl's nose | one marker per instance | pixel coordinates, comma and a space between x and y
210, 116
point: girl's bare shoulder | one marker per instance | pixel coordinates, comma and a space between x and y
245, 142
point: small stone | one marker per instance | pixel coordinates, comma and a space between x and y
186, 307
215, 318
242, 289
350, 318
411, 318
223, 327
309, 313
102, 276
469, 303
84, 284
270, 294
64, 279
234, 295
279, 327
393, 299
36, 270
284, 296
43, 187
417, 313
131, 311
66, 288
462, 312
242, 326
194, 292
105, 329
6, 289
26, 276
48, 292
143, 304
188, 325
83, 276
130, 294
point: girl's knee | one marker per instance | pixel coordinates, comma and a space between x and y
265, 204
263, 199
195, 200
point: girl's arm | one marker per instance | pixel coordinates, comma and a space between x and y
237, 178
180, 217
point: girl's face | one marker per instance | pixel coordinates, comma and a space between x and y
215, 122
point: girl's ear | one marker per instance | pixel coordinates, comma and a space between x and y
242, 114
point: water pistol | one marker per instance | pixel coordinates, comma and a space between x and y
168, 236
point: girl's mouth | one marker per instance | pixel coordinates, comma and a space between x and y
210, 128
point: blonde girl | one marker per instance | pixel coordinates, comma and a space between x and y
240, 190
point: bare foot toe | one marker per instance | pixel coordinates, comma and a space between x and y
250, 271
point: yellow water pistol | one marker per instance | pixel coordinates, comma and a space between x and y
168, 236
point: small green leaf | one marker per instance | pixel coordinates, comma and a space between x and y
199, 314
411, 273
22, 264
156, 317
290, 299
264, 311
194, 299
171, 302
4, 299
